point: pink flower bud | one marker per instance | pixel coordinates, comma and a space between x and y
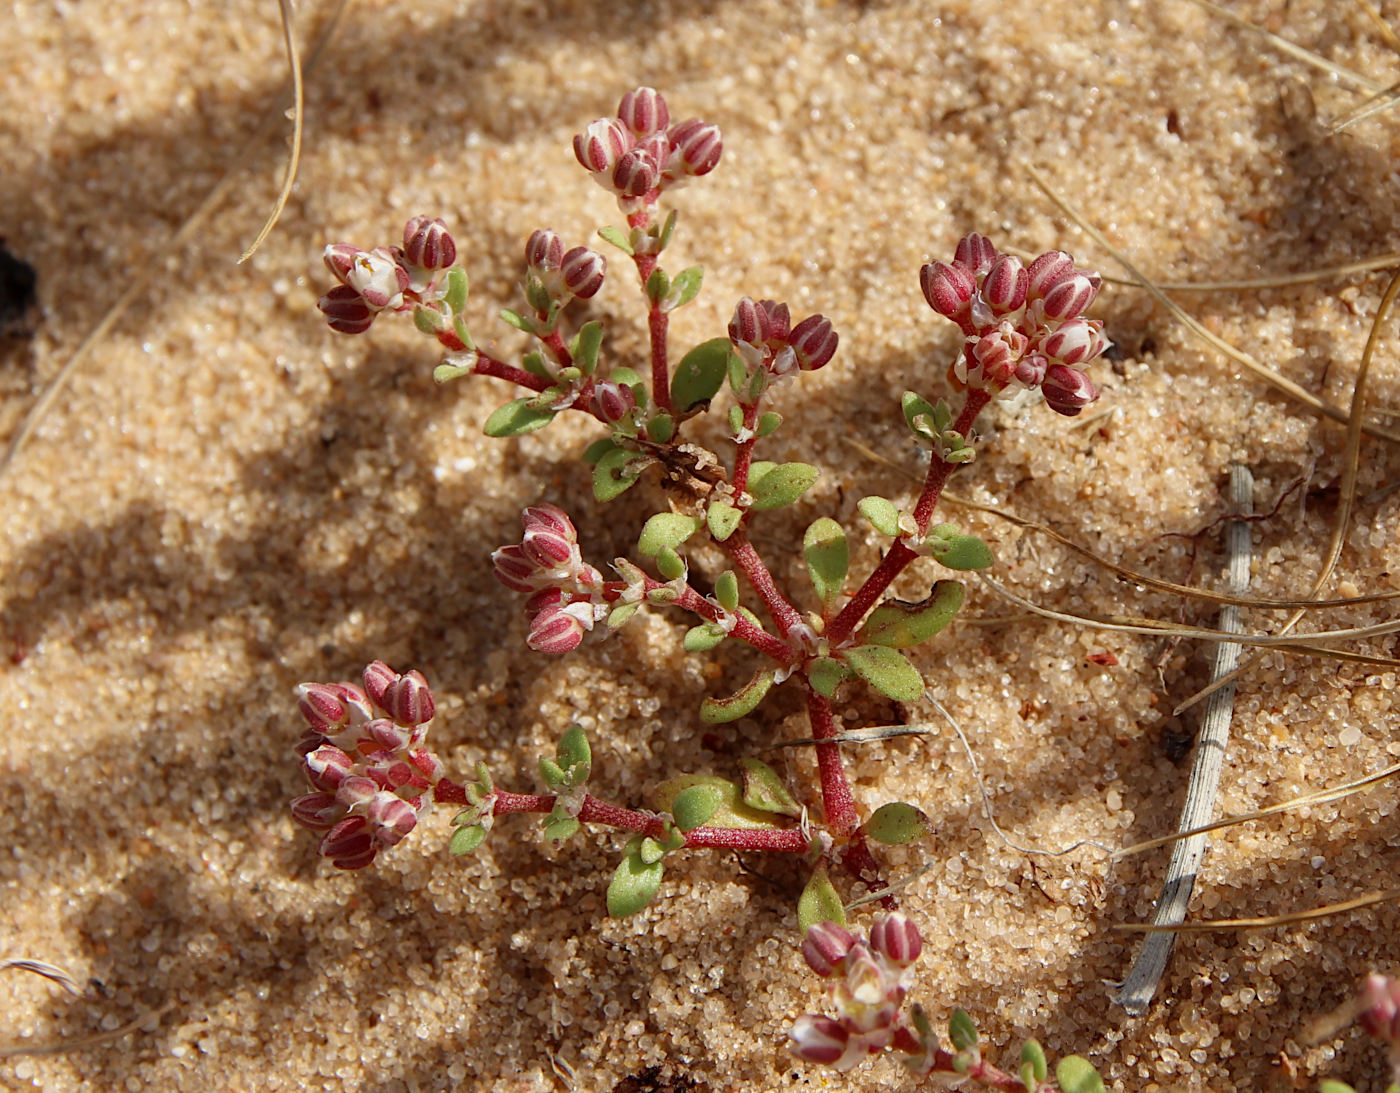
996, 356
349, 844
513, 569
429, 766
750, 323
428, 244
408, 699
390, 818
1005, 287
1076, 342
339, 258
697, 147
583, 271
643, 111
377, 677
814, 342
544, 251
975, 253
947, 288
1072, 296
356, 791
346, 311
816, 1038
897, 939
377, 277
635, 174
546, 548
1030, 370
613, 401
600, 145
1046, 272
327, 767
323, 707
554, 629
387, 735
826, 946
317, 811
1067, 390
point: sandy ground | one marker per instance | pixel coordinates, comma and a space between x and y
229, 500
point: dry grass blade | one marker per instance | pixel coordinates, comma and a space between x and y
1276, 280
51, 972
59, 1047
1322, 796
298, 108
1270, 920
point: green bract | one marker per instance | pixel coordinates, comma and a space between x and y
882, 514
1077, 1075
615, 473
764, 790
723, 519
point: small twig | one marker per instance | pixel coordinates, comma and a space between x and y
289, 175
51, 972
1140, 986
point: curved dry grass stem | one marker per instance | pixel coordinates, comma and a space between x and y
52, 972
141, 279
1276, 280
289, 175
1309, 915
59, 1047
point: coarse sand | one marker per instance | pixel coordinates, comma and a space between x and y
229, 499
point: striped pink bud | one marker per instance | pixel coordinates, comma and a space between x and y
1005, 286
356, 791
339, 258
1046, 272
583, 271
317, 811
327, 767
816, 1038
1067, 390
643, 111
826, 946
390, 818
600, 146
636, 173
349, 844
377, 277
975, 253
814, 342
513, 569
408, 700
323, 706
428, 244
613, 401
948, 289
544, 251
697, 147
346, 311
1076, 342
377, 677
1072, 296
897, 939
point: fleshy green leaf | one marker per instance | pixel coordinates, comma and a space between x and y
651, 851
1077, 1075
515, 418
957, 551
904, 625
826, 674
598, 449
886, 670
658, 284
446, 373
768, 424
727, 590
455, 296
962, 1031
661, 428
466, 839
1033, 1066
559, 829
552, 774
627, 377
764, 789
585, 346
723, 519
668, 229
783, 485
670, 564
685, 286
575, 756
694, 806
819, 903
824, 546
666, 529
736, 419
896, 823
882, 514
730, 811
618, 238
620, 615
716, 711
700, 374
1331, 1085
635, 882
613, 475
926, 420
519, 321
703, 638
533, 362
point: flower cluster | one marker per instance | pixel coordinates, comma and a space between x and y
566, 593
869, 981
364, 758
639, 153
763, 335
1023, 325
410, 277
554, 276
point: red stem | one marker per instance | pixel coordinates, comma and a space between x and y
743, 459
490, 366
658, 322
837, 802
761, 581
745, 631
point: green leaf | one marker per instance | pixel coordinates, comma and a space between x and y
651, 851
824, 546
738, 374
559, 829
1033, 1066
736, 420
886, 670
819, 903
723, 519
1331, 1085
926, 420
882, 514
666, 529
552, 774
764, 789
455, 297
533, 362
783, 485
1077, 1075
575, 756
614, 475
904, 625
768, 424
627, 377
896, 823
516, 418
618, 238
727, 590
519, 321
466, 839
703, 638
635, 882
956, 551
716, 711
694, 806
445, 373
685, 286
621, 615
658, 284
700, 374
670, 564
668, 229
826, 674
661, 428
731, 810
428, 320
585, 346
599, 448
962, 1031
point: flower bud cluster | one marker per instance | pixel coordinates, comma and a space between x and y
363, 756
394, 279
869, 982
1024, 326
763, 335
639, 153
566, 593
554, 276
